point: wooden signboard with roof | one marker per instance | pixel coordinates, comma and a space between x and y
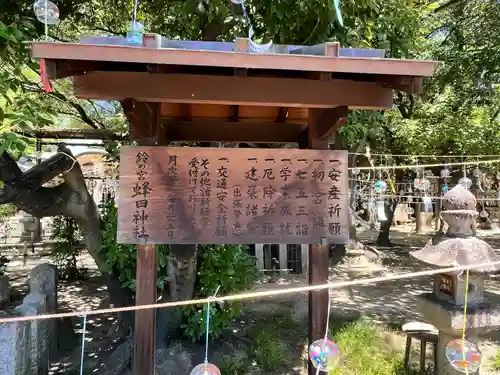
219, 92
232, 196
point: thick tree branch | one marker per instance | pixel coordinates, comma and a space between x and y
45, 202
9, 170
42, 173
308, 39
81, 111
30, 86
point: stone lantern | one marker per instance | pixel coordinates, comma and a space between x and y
444, 307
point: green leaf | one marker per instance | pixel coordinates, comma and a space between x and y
5, 146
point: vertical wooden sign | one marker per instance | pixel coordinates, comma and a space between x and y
232, 196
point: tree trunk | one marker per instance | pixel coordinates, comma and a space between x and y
182, 272
71, 199
418, 217
383, 235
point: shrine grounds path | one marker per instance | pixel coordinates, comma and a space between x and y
390, 304
275, 329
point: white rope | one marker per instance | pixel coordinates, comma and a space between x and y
254, 295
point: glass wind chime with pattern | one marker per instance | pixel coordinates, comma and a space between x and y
378, 200
480, 177
422, 188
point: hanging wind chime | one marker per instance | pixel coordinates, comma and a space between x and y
463, 355
380, 188
47, 13
324, 354
355, 195
445, 173
478, 175
207, 368
465, 181
135, 32
422, 185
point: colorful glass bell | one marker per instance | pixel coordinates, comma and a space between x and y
205, 369
463, 356
325, 355
421, 184
380, 186
445, 172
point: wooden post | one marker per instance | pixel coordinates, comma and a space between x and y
146, 130
318, 255
145, 320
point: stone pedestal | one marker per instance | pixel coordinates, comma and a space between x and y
360, 263
448, 318
30, 228
43, 280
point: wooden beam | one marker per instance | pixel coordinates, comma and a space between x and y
57, 69
232, 90
219, 131
318, 258
327, 121
230, 59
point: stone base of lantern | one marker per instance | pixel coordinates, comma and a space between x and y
448, 318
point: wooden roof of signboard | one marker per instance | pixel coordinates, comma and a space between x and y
219, 81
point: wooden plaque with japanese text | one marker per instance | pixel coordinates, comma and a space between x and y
190, 195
